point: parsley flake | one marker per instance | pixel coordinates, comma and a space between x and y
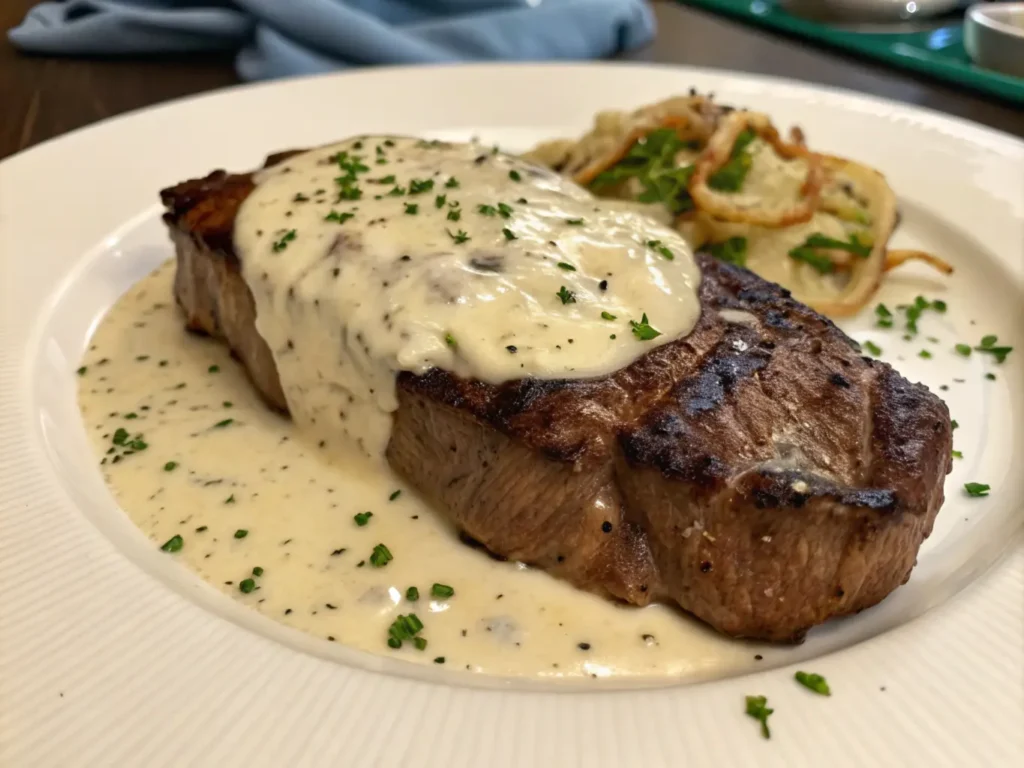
664, 250
286, 238
173, 544
567, 296
380, 556
566, 266
608, 316
757, 708
362, 518
643, 330
814, 682
459, 237
977, 489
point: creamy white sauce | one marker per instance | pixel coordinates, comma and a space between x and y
455, 257
259, 474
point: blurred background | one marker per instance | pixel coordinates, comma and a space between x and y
67, 64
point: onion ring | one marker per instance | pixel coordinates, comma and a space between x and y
717, 154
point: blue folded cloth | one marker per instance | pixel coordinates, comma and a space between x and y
276, 38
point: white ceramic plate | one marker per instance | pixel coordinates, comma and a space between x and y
113, 655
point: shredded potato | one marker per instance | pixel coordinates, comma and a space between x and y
817, 224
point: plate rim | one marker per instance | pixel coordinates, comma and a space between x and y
1010, 565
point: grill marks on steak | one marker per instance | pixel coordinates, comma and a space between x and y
758, 472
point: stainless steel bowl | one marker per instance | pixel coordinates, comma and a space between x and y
994, 36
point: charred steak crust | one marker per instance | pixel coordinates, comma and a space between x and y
758, 472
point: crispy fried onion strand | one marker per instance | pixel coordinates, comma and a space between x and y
717, 154
898, 257
615, 133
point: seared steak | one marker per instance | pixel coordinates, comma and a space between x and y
759, 472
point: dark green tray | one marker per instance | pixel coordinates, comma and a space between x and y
938, 51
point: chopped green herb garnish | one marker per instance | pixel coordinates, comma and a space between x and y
419, 186
574, 222
487, 210
990, 376
286, 238
404, 628
872, 348
450, 341
957, 454
454, 214
213, 369
925, 354
394, 495
664, 250
988, 346
757, 708
567, 296
731, 251
954, 424
514, 175
452, 183
230, 499
976, 489
963, 349
608, 316
509, 234
380, 556
412, 594
362, 518
412, 209
730, 177
170, 466
241, 533
439, 660
247, 585
643, 330
257, 571
815, 682
883, 317
440, 200
459, 237
396, 191
566, 266
810, 256
853, 245
120, 436
173, 544
341, 217
652, 162
504, 210
82, 370
300, 198
420, 643
223, 423
939, 306
442, 591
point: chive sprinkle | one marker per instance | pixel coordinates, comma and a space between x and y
509, 234
963, 349
247, 585
411, 209
380, 556
567, 296
257, 571
394, 495
362, 518
566, 266
170, 466
664, 250
608, 316
412, 594
442, 591
872, 348
514, 175
241, 533
574, 222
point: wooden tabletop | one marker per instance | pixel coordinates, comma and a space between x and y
44, 97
